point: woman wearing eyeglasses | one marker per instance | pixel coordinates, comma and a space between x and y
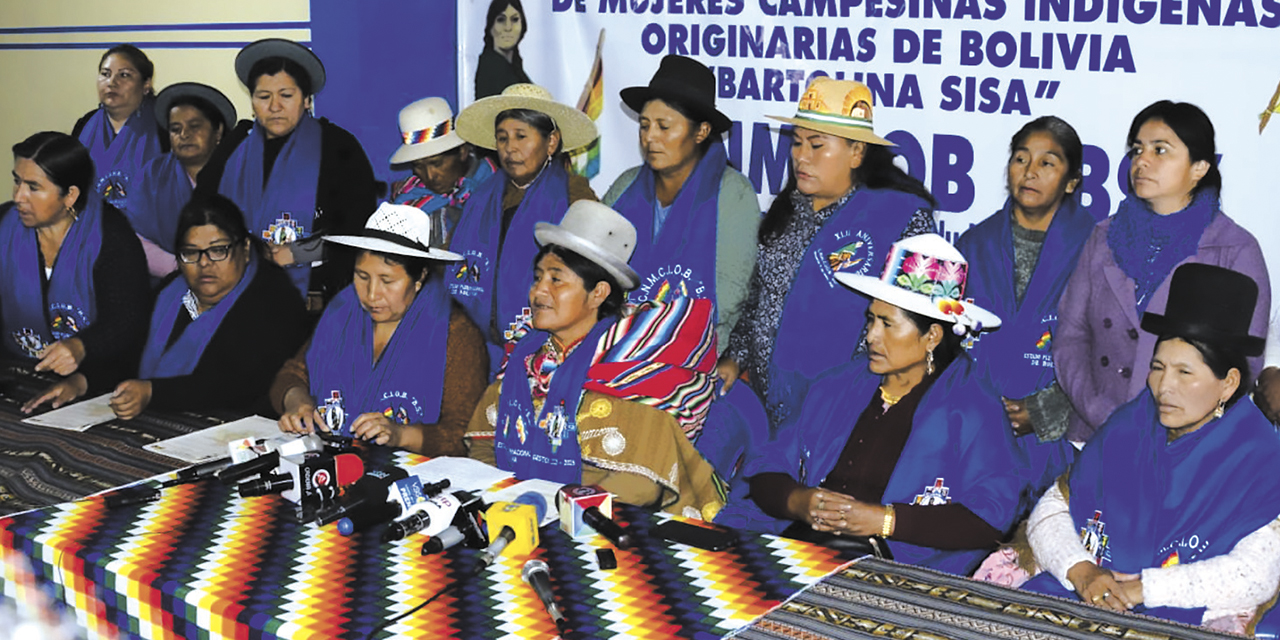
220, 332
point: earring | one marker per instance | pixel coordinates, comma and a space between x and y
1222, 408
928, 363
71, 211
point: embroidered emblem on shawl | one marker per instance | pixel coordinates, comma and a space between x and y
114, 188
397, 415
284, 230
66, 320
1045, 341
29, 341
333, 412
1094, 537
937, 494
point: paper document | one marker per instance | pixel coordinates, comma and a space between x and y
78, 416
464, 474
211, 443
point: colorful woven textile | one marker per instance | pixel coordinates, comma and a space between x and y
40, 466
202, 563
880, 599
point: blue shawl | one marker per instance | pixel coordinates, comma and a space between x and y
822, 319
550, 452
405, 385
1017, 360
163, 189
956, 438
1147, 246
118, 157
30, 325
681, 259
162, 361
284, 209
492, 282
1151, 503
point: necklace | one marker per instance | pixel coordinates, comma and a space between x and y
888, 398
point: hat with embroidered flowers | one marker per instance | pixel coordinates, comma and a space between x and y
926, 275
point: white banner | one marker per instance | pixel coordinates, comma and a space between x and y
953, 80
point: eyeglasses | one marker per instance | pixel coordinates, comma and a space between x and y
216, 253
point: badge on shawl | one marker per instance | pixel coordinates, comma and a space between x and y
466, 275
935, 495
1170, 561
852, 257
66, 320
554, 423
1094, 537
114, 188
333, 412
669, 283
30, 342
396, 414
1045, 341
520, 326
284, 230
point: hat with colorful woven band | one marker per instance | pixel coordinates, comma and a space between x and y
839, 107
926, 275
427, 129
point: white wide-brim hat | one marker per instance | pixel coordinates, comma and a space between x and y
427, 129
597, 233
397, 229
476, 122
841, 108
926, 275
280, 48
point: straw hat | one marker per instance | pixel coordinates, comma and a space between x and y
173, 92
476, 122
280, 48
838, 107
926, 275
397, 229
427, 128
686, 81
597, 233
1212, 304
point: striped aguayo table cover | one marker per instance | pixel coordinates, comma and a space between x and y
204, 563
880, 599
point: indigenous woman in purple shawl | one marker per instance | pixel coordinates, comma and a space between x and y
1171, 216
74, 295
597, 393
220, 332
392, 361
1171, 509
196, 117
531, 132
899, 443
846, 205
1035, 238
686, 199
121, 134
297, 178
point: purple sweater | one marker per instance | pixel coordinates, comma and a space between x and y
1101, 354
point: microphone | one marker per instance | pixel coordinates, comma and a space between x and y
368, 493
252, 467
147, 493
467, 527
443, 541
537, 575
267, 484
513, 524
198, 473
437, 511
579, 506
402, 495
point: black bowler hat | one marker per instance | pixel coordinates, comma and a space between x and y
686, 81
1212, 304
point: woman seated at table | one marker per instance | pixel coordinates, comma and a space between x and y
847, 203
685, 198
196, 117
74, 295
297, 178
568, 407
531, 132
226, 305
1171, 508
905, 442
1036, 237
121, 134
1173, 215
392, 360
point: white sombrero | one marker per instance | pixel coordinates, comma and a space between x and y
427, 129
598, 234
927, 275
476, 122
397, 229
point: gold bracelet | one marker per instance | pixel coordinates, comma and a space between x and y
888, 521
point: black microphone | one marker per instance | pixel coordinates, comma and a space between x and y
443, 541
537, 575
369, 493
198, 473
594, 517
266, 485
264, 463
